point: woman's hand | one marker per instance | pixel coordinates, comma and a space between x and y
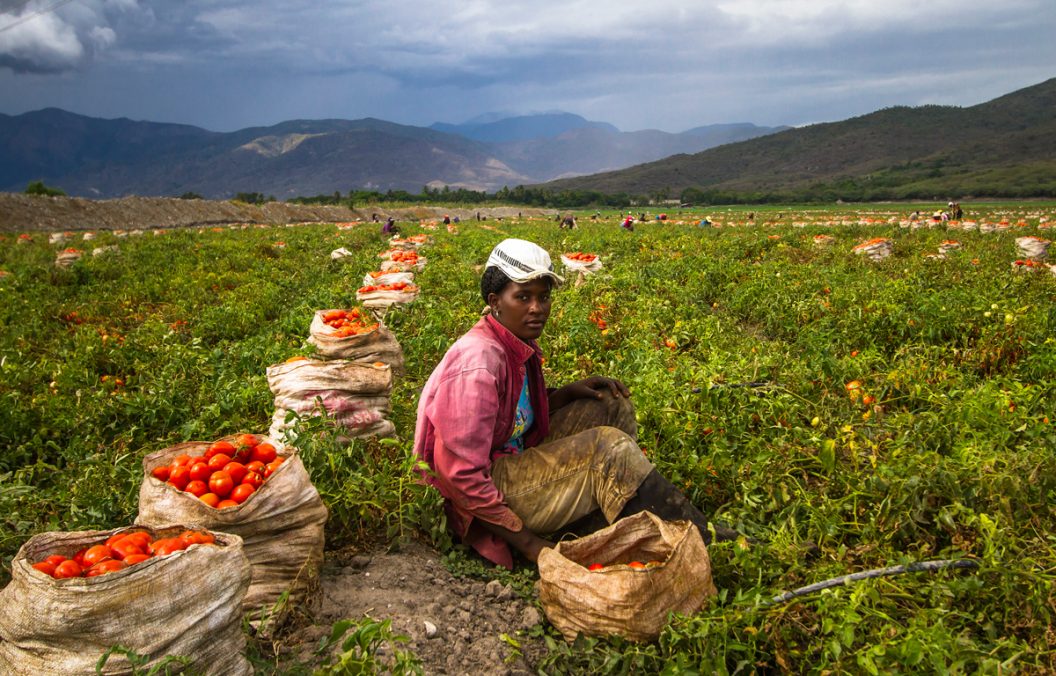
525, 541
593, 387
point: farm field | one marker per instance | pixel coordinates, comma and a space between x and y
902, 409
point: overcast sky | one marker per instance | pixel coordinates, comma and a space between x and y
661, 64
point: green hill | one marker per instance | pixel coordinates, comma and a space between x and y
1002, 148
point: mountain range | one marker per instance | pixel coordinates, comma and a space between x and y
1003, 148
95, 157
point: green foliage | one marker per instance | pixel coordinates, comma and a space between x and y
38, 188
360, 648
139, 663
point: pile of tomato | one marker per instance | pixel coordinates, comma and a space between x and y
348, 322
581, 257
120, 551
400, 256
398, 286
872, 242
226, 474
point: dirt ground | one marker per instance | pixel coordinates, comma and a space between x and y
454, 624
33, 213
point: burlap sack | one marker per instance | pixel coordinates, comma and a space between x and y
388, 278
68, 257
398, 266
354, 394
633, 603
186, 604
384, 298
1033, 247
378, 345
281, 524
581, 266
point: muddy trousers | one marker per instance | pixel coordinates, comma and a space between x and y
590, 472
589, 463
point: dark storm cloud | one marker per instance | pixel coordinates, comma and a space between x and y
39, 36
665, 64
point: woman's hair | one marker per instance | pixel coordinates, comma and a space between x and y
495, 280
492, 281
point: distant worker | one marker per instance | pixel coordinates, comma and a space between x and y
447, 220
568, 221
390, 227
628, 223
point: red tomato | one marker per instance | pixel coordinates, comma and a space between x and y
264, 452
211, 499
224, 504
194, 537
133, 559
96, 554
55, 559
125, 548
254, 479
115, 537
246, 440
240, 492
237, 471
200, 471
68, 569
255, 466
104, 567
221, 483
218, 461
140, 537
166, 546
243, 454
45, 567
179, 478
595, 566
161, 473
196, 459
180, 460
79, 557
225, 447
271, 467
197, 488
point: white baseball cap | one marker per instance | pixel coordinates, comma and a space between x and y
522, 261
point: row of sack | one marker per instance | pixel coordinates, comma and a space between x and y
351, 380
190, 603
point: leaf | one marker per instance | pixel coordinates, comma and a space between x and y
827, 454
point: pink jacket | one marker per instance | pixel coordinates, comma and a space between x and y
466, 416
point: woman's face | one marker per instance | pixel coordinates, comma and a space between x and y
523, 308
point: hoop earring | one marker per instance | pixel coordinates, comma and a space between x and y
495, 313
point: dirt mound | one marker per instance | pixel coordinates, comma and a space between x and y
21, 213
453, 624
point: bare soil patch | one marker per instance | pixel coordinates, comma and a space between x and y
454, 624
28, 213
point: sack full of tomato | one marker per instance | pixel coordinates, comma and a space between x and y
73, 596
626, 579
244, 485
353, 335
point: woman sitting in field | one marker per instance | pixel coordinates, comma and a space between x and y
518, 462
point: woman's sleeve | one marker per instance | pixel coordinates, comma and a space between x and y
466, 406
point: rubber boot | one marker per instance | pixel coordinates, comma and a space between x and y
661, 497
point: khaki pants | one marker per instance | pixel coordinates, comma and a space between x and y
589, 461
